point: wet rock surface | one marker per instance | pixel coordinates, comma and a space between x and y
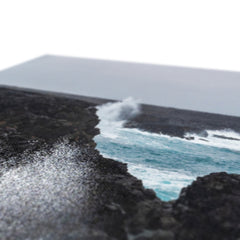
55, 185
210, 208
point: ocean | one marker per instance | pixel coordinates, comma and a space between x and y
163, 163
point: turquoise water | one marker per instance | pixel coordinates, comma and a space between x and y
165, 164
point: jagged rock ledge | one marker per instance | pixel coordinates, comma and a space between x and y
117, 206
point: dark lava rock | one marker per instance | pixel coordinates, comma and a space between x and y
189, 138
28, 120
227, 138
210, 208
202, 139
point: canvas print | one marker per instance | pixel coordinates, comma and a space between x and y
97, 149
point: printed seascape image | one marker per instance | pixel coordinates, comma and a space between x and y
95, 149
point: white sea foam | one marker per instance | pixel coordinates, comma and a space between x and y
164, 181
218, 138
227, 138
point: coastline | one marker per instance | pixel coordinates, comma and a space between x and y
158, 119
178, 122
121, 208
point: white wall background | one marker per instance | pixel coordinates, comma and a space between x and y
203, 33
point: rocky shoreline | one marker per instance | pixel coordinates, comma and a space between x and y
116, 205
178, 122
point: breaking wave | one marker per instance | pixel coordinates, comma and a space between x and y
119, 111
114, 115
165, 164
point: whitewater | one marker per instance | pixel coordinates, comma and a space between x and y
165, 164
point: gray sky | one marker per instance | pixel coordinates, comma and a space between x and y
187, 88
